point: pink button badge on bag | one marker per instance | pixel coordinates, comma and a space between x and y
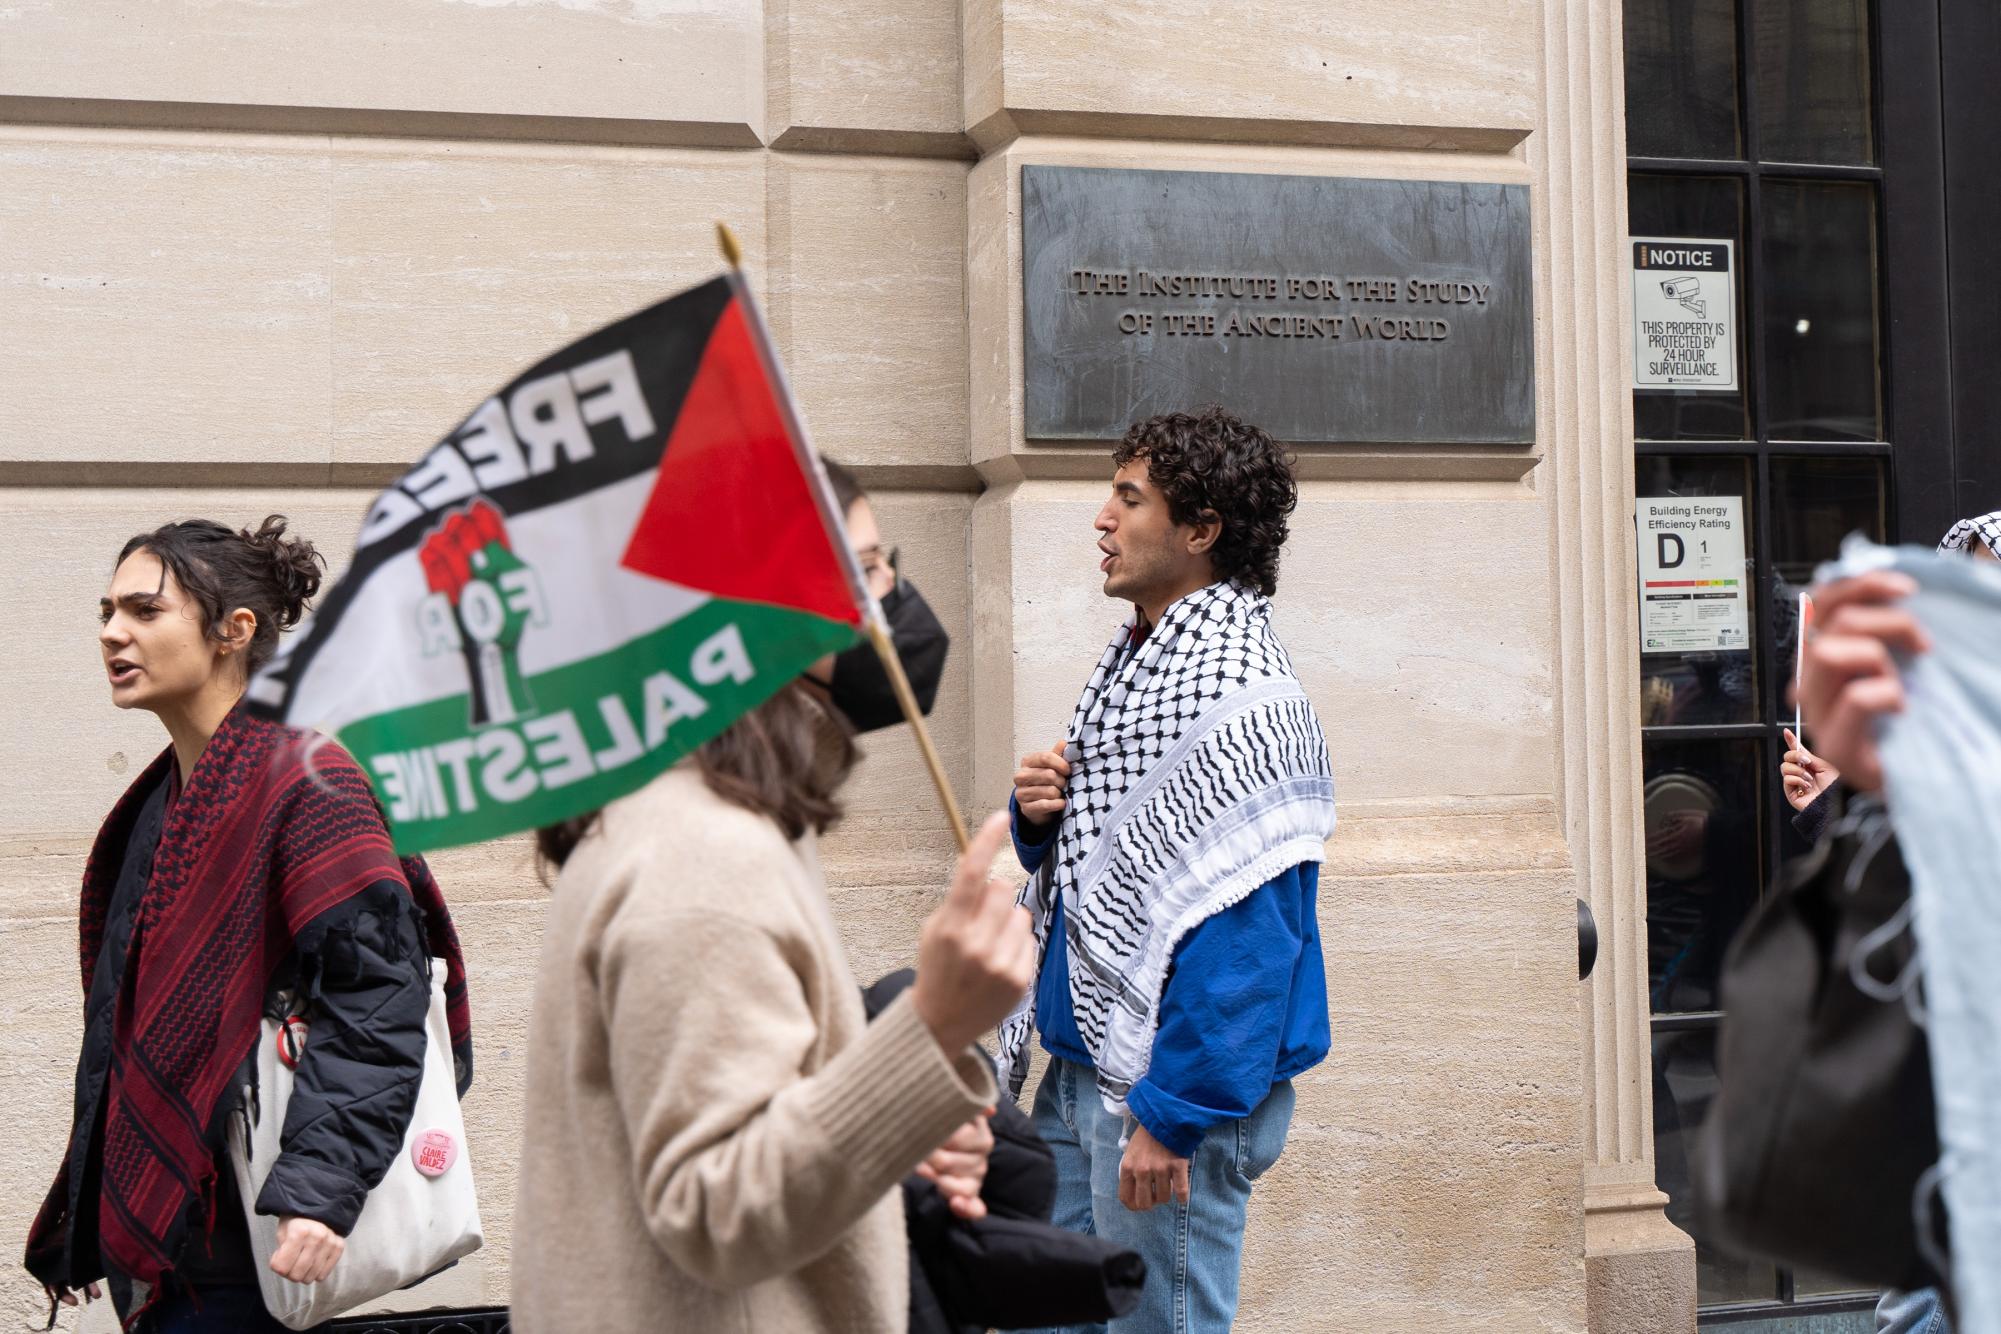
434, 1151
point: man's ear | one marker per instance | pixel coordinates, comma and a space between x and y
1204, 532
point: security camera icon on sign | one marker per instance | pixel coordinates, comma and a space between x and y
1687, 290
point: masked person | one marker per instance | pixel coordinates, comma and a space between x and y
247, 859
716, 1133
967, 1272
855, 679
1175, 839
857, 684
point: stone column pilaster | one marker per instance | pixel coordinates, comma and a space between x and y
1640, 1269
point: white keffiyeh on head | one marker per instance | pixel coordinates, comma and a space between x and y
1986, 528
1198, 773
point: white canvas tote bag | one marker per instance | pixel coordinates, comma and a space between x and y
422, 1218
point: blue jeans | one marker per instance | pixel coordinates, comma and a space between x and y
1919, 1312
1193, 1250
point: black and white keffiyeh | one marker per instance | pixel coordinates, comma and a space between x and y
1198, 773
1986, 528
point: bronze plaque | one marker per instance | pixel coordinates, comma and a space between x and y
1321, 308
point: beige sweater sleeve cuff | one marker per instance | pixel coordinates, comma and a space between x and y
892, 1097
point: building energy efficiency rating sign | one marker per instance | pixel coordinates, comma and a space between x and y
1692, 586
1684, 307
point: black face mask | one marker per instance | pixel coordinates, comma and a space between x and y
861, 688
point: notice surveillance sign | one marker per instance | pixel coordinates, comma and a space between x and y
1692, 585
1684, 314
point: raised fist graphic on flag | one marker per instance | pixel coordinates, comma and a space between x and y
469, 559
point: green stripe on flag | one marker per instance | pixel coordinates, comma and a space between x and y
603, 726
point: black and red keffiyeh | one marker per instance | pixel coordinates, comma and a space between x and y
274, 827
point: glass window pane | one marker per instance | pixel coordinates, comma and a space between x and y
1811, 62
1819, 275
1703, 805
1681, 79
1708, 686
1818, 501
1684, 1087
1695, 208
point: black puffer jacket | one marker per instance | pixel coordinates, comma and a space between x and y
365, 980
366, 987
1013, 1269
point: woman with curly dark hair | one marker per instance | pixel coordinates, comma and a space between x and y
1175, 836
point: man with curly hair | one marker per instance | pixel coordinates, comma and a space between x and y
1174, 839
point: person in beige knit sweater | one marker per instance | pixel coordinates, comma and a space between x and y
714, 1133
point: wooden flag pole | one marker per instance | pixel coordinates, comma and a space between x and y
886, 650
872, 621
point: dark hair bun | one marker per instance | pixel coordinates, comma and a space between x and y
296, 567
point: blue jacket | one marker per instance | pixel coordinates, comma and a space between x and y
1245, 1005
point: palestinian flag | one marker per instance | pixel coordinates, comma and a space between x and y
606, 564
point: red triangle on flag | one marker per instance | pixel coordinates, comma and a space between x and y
732, 513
